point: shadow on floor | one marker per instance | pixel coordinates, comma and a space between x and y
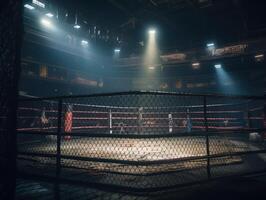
237, 188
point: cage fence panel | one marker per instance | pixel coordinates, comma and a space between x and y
36, 139
38, 116
239, 137
142, 140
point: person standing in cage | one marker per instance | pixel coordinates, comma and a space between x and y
226, 122
170, 123
140, 119
122, 127
189, 123
44, 120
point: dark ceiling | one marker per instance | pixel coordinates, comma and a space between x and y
182, 24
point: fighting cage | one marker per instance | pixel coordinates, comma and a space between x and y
141, 141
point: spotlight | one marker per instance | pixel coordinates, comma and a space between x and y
259, 57
152, 31
209, 45
76, 26
218, 66
29, 6
151, 54
84, 42
195, 65
226, 83
49, 15
117, 50
46, 23
38, 3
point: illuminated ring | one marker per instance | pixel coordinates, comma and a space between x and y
147, 111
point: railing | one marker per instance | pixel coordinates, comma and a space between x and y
141, 141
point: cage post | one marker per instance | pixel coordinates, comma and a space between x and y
140, 118
58, 144
189, 124
207, 137
110, 121
247, 117
264, 117
170, 119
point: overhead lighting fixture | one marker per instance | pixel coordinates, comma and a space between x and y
117, 50
152, 31
218, 66
259, 56
46, 23
76, 26
151, 67
195, 65
29, 6
84, 42
49, 15
38, 3
210, 45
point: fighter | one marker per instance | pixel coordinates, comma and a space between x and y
122, 127
44, 120
140, 119
189, 123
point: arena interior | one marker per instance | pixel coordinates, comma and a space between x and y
122, 99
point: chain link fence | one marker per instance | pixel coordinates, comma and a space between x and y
10, 45
141, 141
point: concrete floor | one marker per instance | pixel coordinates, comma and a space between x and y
171, 174
226, 189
